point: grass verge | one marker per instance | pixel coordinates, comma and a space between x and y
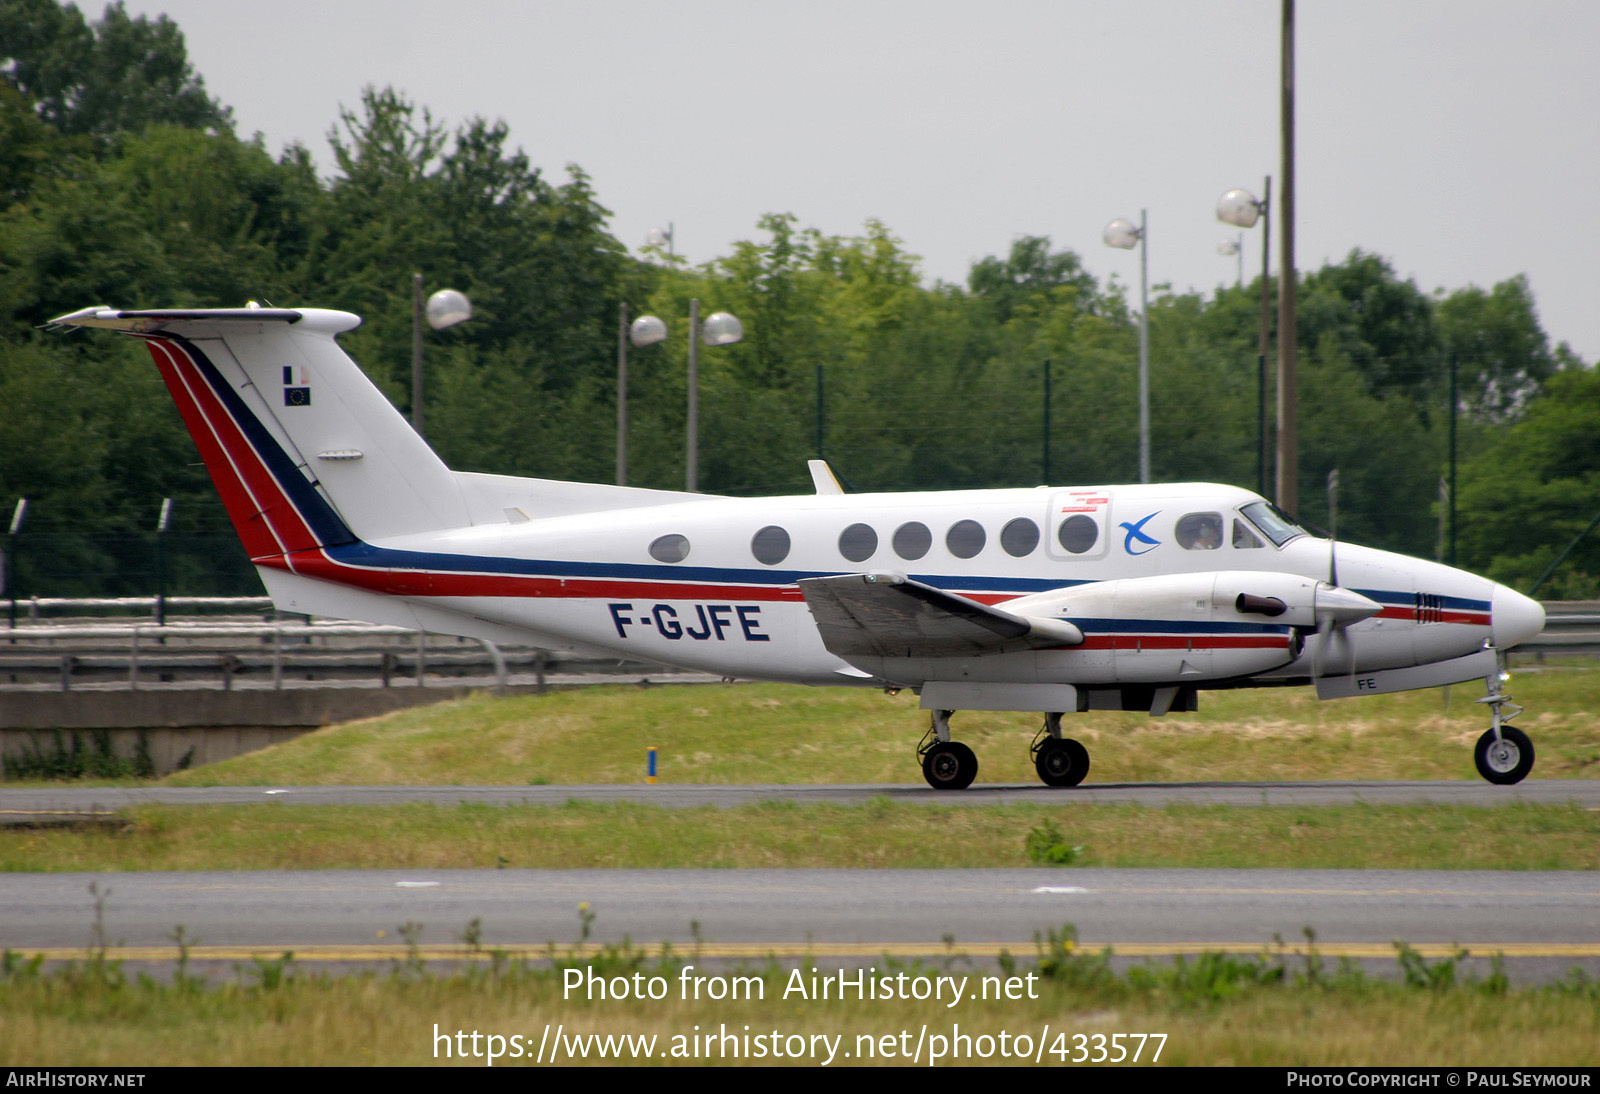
1216, 1008
770, 733
877, 834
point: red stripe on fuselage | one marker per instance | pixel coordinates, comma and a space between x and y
1469, 618
434, 583
437, 583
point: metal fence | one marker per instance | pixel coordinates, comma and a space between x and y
58, 644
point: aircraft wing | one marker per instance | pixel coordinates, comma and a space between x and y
890, 615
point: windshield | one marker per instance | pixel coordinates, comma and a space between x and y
1273, 524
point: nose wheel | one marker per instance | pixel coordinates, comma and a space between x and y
1504, 754
1506, 759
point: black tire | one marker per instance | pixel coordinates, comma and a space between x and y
1507, 761
1062, 762
949, 765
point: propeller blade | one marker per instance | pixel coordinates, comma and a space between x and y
1335, 610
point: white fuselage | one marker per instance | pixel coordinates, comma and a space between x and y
590, 581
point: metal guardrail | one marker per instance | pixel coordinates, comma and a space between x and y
35, 606
226, 646
1570, 626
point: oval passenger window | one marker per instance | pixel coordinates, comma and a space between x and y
965, 538
770, 545
858, 542
670, 548
912, 540
1019, 537
1078, 533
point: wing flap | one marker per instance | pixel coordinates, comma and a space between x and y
890, 615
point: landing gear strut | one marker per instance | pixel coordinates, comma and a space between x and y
1504, 754
1060, 761
946, 764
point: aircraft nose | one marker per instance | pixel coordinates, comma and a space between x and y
1513, 617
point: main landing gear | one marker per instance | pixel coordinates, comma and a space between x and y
1504, 754
1060, 761
951, 765
946, 764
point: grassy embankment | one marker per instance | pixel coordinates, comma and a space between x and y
764, 733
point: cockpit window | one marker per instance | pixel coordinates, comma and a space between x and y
1272, 523
1200, 531
1243, 537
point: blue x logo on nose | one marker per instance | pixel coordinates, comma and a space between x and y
1136, 532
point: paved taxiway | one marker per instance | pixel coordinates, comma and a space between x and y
347, 915
1547, 922
16, 803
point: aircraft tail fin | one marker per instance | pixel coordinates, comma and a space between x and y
304, 449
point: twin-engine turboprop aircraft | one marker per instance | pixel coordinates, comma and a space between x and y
1054, 599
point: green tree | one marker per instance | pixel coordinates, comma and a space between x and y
1501, 352
118, 75
1534, 487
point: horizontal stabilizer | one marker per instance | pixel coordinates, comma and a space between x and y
890, 615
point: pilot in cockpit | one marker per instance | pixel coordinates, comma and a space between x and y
1200, 532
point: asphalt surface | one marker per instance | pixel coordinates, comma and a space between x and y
1551, 919
1545, 923
23, 805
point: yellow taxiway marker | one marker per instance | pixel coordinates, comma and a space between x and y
800, 950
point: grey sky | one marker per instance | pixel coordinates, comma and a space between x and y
1457, 138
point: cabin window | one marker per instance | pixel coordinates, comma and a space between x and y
770, 545
1243, 537
1200, 531
965, 538
912, 540
858, 542
1078, 534
670, 548
1019, 537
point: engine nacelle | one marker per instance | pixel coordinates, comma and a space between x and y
1191, 628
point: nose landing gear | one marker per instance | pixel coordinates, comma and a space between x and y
1504, 754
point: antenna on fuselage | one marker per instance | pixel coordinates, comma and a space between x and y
823, 478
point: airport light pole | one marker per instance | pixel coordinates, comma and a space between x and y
1124, 236
162, 523
445, 308
1234, 248
646, 330
662, 238
11, 562
719, 329
1241, 209
1288, 467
